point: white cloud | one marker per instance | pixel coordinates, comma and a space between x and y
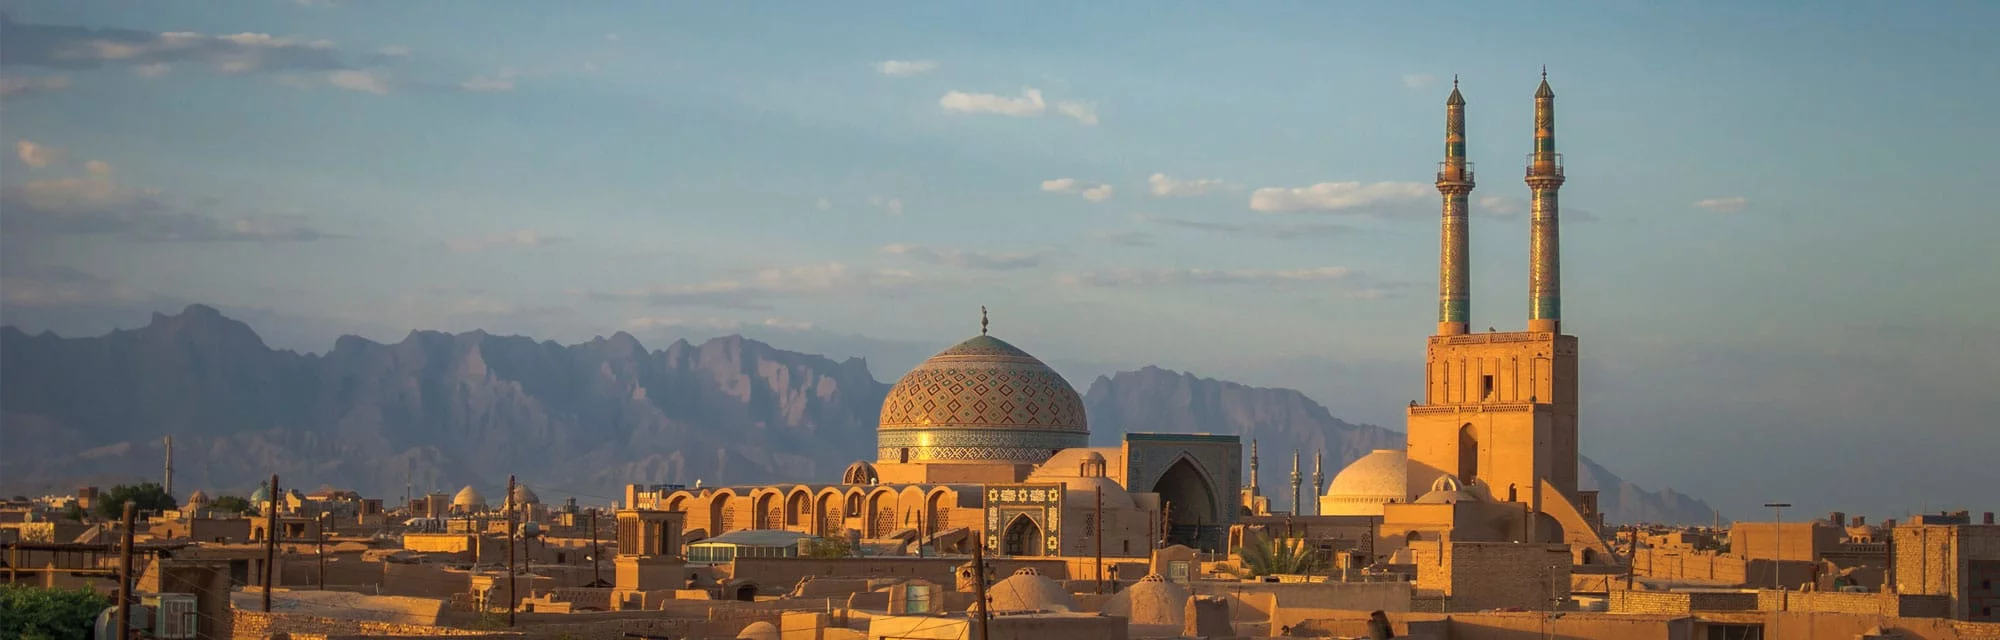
1084, 112
1338, 196
1094, 192
394, 51
823, 204
1419, 80
358, 80
153, 70
892, 205
520, 238
503, 81
1499, 206
905, 68
98, 168
1164, 187
1126, 238
23, 86
752, 292
1029, 105
96, 205
992, 260
35, 154
1731, 204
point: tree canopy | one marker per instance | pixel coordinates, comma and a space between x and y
235, 504
148, 496
35, 613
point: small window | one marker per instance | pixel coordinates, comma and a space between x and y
906, 454
1488, 393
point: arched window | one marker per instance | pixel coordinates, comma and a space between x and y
1468, 455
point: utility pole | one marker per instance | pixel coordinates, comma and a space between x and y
595, 578
270, 541
322, 551
511, 600
125, 576
1166, 522
1099, 534
979, 583
169, 488
1777, 542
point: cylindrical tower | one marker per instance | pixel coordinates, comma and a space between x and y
1545, 177
1454, 181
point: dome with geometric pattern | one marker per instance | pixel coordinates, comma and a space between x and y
982, 400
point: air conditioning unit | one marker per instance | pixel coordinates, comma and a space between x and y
174, 615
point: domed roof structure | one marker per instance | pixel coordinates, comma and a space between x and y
1446, 490
982, 400
261, 496
1379, 478
759, 630
1151, 600
525, 496
199, 497
1081, 472
860, 473
1027, 591
468, 499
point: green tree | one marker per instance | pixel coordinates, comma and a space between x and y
1270, 556
35, 613
148, 496
75, 511
826, 548
234, 504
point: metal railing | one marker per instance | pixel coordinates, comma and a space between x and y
1446, 174
1555, 159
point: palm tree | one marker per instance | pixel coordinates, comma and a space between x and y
1268, 556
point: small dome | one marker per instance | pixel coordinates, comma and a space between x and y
198, 497
1076, 469
1150, 601
261, 496
860, 473
525, 496
1027, 592
1379, 478
468, 498
759, 630
1446, 490
980, 400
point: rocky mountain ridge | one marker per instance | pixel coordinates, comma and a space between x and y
438, 411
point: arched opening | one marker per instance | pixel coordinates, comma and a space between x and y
830, 520
881, 514
798, 509
676, 503
1023, 537
740, 590
767, 513
938, 515
1468, 455
1190, 503
853, 505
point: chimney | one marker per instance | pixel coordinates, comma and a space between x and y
1860, 521
1987, 518
1837, 518
1889, 524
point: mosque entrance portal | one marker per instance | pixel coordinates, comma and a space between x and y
1190, 500
1023, 537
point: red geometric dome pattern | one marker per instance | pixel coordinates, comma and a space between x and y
984, 383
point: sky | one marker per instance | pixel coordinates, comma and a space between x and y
1777, 236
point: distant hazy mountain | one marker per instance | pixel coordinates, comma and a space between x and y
440, 411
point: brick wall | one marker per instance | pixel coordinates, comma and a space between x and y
257, 624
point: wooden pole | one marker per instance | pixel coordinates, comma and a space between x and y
270, 541
595, 578
125, 576
322, 551
511, 600
979, 583
1099, 534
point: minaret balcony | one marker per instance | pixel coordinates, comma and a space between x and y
1545, 165
1453, 174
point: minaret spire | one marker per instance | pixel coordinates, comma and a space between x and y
1545, 178
1454, 182
1319, 480
1295, 482
1253, 466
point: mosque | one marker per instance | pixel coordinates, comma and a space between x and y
985, 442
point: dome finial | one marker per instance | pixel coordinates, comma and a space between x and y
1454, 82
1545, 73
982, 319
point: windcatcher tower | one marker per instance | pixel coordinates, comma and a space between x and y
1498, 412
1454, 182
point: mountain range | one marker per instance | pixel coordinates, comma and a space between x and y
438, 411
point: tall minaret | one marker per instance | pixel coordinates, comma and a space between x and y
1454, 181
169, 488
1319, 481
1545, 177
1295, 482
1253, 467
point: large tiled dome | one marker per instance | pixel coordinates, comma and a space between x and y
981, 400
1363, 487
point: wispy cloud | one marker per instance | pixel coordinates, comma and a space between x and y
17, 86
359, 80
502, 81
1084, 112
35, 154
905, 68
892, 205
1094, 192
989, 260
73, 47
758, 289
1128, 238
517, 239
1162, 186
1334, 281
1419, 80
1286, 231
43, 286
1028, 105
711, 323
95, 204
1731, 204
1340, 197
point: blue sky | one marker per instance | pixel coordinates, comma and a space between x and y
1777, 239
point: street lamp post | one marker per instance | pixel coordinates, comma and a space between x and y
1777, 542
